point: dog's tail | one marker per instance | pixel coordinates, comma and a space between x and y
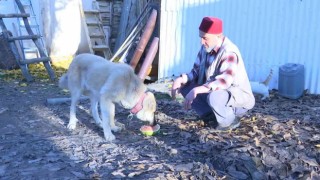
63, 81
266, 82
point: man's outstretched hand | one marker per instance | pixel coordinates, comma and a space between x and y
189, 99
177, 83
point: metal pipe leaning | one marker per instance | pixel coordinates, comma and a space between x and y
134, 31
144, 39
124, 19
63, 100
144, 70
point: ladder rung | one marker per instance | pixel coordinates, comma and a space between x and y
22, 15
104, 11
26, 5
99, 47
24, 37
94, 23
97, 35
91, 11
35, 60
31, 26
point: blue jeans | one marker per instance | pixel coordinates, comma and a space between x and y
214, 102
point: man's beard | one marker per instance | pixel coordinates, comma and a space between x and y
209, 49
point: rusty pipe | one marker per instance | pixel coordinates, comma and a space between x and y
144, 39
147, 63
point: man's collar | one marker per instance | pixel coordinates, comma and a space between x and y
217, 48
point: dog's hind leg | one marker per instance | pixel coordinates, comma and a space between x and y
107, 114
94, 111
75, 96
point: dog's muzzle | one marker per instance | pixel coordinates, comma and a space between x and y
138, 108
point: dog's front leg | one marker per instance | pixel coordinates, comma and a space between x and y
113, 126
106, 107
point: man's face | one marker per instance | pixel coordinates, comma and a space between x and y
209, 41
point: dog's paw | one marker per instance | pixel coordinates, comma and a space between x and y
116, 128
72, 125
109, 137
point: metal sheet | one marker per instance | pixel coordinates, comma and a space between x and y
269, 33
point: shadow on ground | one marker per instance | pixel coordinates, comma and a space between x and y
278, 139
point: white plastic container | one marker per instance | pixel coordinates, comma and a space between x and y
291, 80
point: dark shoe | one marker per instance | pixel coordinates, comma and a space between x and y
209, 120
233, 125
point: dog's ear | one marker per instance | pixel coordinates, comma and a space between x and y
149, 108
136, 85
150, 102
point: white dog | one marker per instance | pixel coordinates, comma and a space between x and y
106, 83
262, 88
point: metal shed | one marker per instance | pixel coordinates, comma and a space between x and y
269, 33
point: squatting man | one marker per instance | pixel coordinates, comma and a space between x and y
217, 87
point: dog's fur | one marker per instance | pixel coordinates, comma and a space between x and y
106, 83
262, 88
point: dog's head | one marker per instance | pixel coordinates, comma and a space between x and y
149, 106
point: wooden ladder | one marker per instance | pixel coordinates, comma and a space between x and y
99, 43
20, 59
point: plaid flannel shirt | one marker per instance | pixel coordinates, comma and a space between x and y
214, 78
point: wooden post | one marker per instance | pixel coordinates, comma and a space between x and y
123, 23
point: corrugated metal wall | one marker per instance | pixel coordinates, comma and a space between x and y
269, 33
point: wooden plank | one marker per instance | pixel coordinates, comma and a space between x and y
24, 37
94, 35
91, 11
100, 47
2, 25
22, 15
85, 27
18, 43
123, 23
35, 60
94, 23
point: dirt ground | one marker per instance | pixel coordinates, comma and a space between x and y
278, 139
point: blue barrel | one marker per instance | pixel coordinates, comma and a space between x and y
291, 80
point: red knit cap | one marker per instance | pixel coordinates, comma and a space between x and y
211, 25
